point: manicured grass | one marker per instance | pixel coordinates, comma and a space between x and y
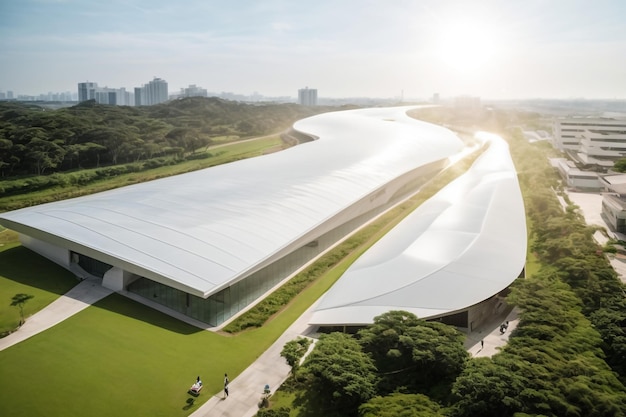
120, 358
23, 271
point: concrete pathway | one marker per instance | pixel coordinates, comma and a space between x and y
246, 390
78, 298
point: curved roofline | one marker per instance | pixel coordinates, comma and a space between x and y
206, 229
459, 248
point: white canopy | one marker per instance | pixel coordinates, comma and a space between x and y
462, 246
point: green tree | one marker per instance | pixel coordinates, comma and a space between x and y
401, 405
19, 300
341, 373
294, 351
487, 389
413, 353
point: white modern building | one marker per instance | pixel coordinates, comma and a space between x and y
593, 142
448, 260
575, 178
210, 243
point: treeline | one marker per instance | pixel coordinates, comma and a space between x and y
38, 141
567, 356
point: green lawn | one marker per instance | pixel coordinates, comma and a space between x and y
121, 358
23, 271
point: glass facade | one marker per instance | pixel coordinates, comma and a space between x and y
219, 307
93, 266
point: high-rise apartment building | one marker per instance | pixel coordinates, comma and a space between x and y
87, 91
154, 92
307, 96
103, 95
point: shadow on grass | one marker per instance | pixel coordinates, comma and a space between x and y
118, 304
24, 266
189, 403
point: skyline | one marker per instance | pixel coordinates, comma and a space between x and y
491, 49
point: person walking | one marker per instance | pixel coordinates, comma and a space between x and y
225, 385
482, 344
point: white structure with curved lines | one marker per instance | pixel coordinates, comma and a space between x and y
461, 247
211, 242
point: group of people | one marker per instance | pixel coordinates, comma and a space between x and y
197, 386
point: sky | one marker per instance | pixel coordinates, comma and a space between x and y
494, 49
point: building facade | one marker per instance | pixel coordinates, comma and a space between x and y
591, 141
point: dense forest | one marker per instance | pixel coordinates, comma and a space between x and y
567, 356
37, 141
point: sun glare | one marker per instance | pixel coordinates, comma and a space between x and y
465, 45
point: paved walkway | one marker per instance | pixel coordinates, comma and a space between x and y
78, 298
246, 390
489, 333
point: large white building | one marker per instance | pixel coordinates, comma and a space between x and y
448, 260
210, 243
593, 142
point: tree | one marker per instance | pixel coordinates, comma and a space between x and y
340, 372
410, 352
401, 405
19, 300
293, 351
487, 389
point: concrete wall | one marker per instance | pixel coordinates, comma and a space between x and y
117, 279
55, 253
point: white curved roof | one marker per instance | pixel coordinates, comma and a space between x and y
462, 246
201, 231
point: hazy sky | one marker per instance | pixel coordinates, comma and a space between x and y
344, 48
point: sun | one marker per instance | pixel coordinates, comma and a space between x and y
465, 45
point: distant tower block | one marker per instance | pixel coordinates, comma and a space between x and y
307, 96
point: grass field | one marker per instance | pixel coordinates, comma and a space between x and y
22, 271
121, 358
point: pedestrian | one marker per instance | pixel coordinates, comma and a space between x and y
226, 385
482, 344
